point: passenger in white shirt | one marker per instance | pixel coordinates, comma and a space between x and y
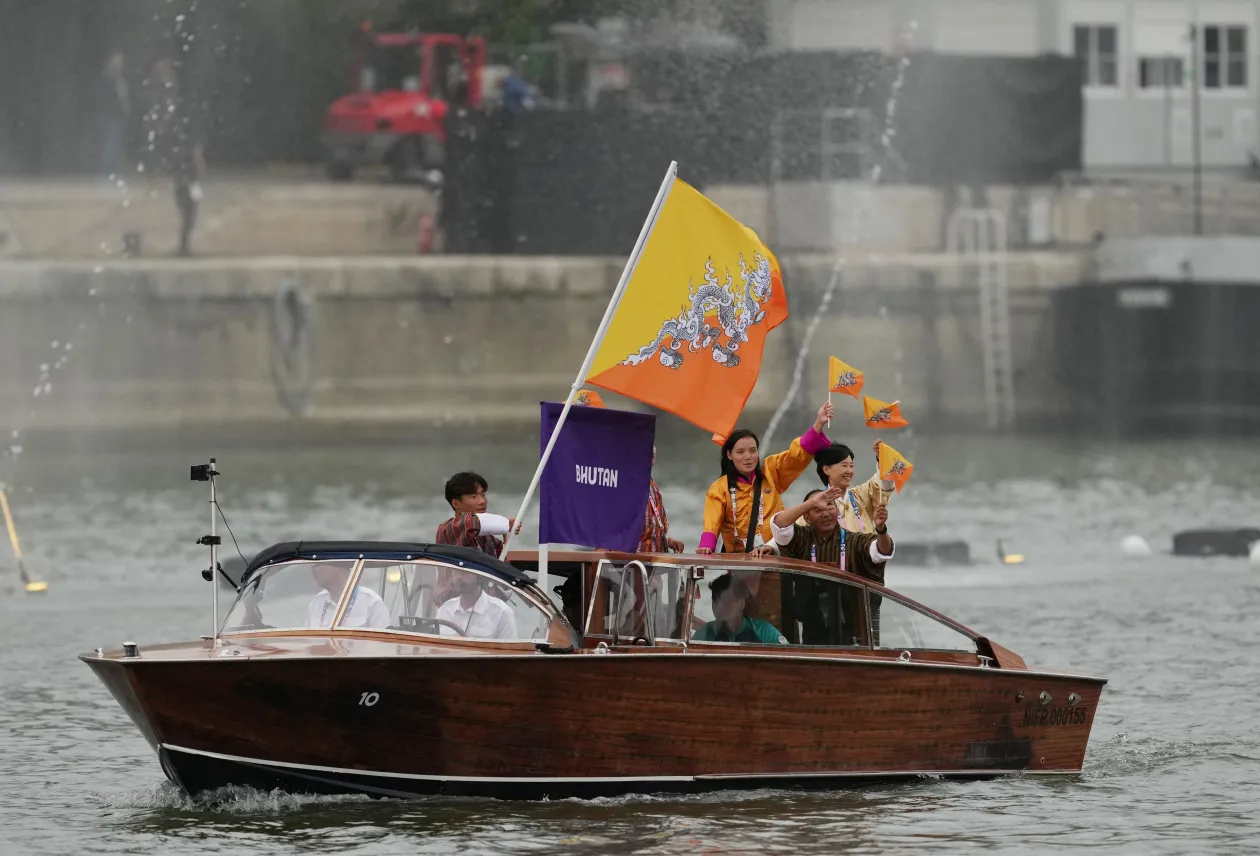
475, 613
366, 609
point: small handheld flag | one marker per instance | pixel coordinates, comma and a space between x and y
842, 377
894, 466
883, 414
588, 398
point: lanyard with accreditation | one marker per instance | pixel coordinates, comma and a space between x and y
813, 549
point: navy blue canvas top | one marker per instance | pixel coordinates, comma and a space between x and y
464, 557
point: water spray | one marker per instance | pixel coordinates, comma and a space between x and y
859, 221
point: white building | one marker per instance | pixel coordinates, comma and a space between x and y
1138, 56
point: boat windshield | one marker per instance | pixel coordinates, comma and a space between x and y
412, 597
634, 601
434, 599
899, 626
290, 596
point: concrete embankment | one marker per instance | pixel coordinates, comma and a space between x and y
353, 349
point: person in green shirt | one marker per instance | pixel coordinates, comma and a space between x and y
730, 624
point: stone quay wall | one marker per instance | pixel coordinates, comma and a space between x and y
354, 349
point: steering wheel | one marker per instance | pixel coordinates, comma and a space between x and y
451, 624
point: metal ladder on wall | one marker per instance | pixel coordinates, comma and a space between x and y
978, 237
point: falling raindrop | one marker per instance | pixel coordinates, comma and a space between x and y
69, 346
98, 269
56, 343
43, 367
47, 388
37, 391
91, 292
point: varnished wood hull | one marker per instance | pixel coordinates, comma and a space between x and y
533, 726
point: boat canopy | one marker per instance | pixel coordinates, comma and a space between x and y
390, 550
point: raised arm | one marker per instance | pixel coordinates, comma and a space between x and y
783, 525
466, 526
788, 516
785, 467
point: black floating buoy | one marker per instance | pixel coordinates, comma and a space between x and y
1214, 542
923, 553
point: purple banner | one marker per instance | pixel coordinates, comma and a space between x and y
594, 489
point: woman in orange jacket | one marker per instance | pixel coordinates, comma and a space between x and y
751, 489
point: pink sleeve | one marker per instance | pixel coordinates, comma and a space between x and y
814, 442
708, 541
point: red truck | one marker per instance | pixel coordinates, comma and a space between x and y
404, 85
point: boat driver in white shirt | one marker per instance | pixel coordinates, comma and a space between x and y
366, 609
475, 613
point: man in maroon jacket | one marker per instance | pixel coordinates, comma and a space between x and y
472, 526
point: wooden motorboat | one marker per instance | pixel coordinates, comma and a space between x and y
354, 667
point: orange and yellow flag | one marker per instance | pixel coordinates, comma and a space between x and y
883, 414
588, 398
688, 334
893, 465
842, 377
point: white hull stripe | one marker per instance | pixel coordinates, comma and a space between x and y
345, 771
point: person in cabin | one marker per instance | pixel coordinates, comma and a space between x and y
655, 538
823, 539
856, 504
366, 609
730, 623
474, 612
739, 505
472, 526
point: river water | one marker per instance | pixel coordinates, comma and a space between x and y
1173, 765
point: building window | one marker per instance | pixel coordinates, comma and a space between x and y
1224, 57
1096, 45
1158, 72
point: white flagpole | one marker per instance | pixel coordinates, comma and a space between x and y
626, 273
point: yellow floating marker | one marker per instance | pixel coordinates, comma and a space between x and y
32, 586
1009, 558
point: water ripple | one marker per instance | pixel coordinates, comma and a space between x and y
1173, 765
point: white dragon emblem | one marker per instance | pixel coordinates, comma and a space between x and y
736, 312
884, 414
898, 469
847, 380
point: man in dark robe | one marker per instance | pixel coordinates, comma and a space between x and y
822, 539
